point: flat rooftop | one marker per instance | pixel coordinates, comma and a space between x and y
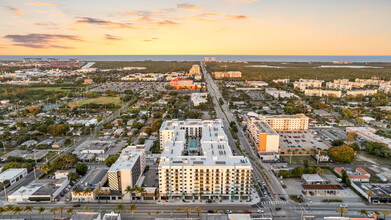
322, 187
213, 144
11, 173
265, 128
300, 139
127, 159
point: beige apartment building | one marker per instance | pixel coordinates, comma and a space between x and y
321, 92
367, 92
229, 74
127, 170
197, 162
374, 81
302, 84
288, 122
195, 69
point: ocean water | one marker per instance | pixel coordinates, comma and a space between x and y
264, 58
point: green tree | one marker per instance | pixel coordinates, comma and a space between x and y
81, 169
111, 160
344, 154
121, 208
364, 212
347, 113
132, 208
284, 173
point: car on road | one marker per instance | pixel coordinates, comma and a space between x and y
76, 205
278, 209
228, 211
344, 205
248, 211
282, 198
211, 211
309, 201
260, 211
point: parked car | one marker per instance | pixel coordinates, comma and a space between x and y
76, 205
228, 211
248, 211
260, 211
278, 209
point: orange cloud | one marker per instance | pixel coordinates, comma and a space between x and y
110, 24
16, 11
189, 7
248, 1
152, 39
111, 37
42, 4
42, 23
216, 17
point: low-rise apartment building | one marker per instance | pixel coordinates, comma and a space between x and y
229, 74
322, 92
197, 162
367, 92
302, 84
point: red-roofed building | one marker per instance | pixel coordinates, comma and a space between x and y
358, 175
182, 83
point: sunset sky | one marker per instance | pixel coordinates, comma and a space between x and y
253, 27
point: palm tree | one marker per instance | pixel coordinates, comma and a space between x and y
369, 193
149, 213
121, 208
187, 210
106, 192
157, 212
129, 190
86, 208
364, 212
41, 210
53, 210
178, 209
98, 192
70, 212
201, 193
3, 211
142, 191
342, 210
29, 210
87, 191
198, 210
61, 210
10, 209
132, 208
17, 211
385, 213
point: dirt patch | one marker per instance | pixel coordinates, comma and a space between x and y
102, 97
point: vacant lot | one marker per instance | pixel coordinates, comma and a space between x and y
298, 160
100, 100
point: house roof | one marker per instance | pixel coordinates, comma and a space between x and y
322, 187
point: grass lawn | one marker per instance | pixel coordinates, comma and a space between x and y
379, 160
50, 89
100, 100
298, 160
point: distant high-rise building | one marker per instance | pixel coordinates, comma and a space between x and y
206, 59
213, 59
195, 69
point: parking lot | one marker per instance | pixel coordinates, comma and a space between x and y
293, 187
134, 86
300, 139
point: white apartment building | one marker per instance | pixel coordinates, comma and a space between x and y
321, 92
276, 93
197, 162
284, 81
339, 86
385, 87
367, 92
127, 170
302, 84
198, 98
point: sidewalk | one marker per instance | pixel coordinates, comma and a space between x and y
254, 196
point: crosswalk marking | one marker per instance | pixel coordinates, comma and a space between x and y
274, 202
